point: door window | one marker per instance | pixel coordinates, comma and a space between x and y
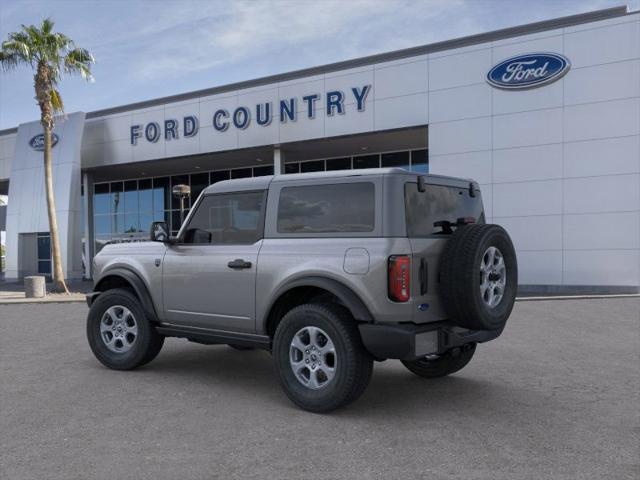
234, 218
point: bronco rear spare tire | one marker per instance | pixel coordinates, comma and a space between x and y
479, 277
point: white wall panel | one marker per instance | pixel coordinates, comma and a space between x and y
456, 70
540, 162
608, 156
475, 165
459, 103
117, 127
527, 128
602, 267
603, 45
212, 140
601, 120
617, 193
7, 146
403, 79
549, 96
460, 136
540, 268
345, 83
602, 231
549, 41
304, 128
401, 112
351, 122
548, 230
527, 198
602, 82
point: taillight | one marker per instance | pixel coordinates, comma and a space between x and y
399, 278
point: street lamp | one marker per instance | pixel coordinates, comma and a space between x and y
182, 192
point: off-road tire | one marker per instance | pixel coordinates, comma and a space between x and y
460, 277
148, 342
353, 363
446, 364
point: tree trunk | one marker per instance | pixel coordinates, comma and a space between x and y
58, 275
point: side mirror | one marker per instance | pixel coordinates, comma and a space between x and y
159, 232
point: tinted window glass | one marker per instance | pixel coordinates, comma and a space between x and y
261, 171
241, 173
438, 203
339, 164
145, 195
161, 194
314, 166
101, 198
367, 161
179, 180
396, 159
219, 176
199, 181
347, 207
420, 161
291, 168
234, 218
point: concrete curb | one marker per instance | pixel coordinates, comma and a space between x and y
17, 301
576, 297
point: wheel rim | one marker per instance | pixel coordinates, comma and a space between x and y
493, 277
312, 357
118, 329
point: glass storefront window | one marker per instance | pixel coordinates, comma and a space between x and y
262, 171
366, 161
396, 159
339, 164
131, 203
240, 173
199, 181
117, 198
101, 198
218, 176
313, 166
161, 194
420, 161
145, 195
291, 168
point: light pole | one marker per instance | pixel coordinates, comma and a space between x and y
182, 192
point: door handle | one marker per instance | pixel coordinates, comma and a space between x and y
239, 264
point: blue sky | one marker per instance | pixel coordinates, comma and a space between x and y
149, 49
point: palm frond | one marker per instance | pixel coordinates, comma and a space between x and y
79, 61
56, 101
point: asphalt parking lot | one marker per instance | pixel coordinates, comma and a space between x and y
556, 396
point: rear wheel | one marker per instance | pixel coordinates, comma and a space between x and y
321, 362
442, 365
119, 333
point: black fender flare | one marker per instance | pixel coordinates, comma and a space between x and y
136, 283
347, 296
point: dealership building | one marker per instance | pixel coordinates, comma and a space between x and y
544, 116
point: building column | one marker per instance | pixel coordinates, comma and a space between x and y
87, 184
278, 161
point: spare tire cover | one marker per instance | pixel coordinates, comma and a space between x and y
479, 277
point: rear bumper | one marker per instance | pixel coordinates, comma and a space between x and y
410, 342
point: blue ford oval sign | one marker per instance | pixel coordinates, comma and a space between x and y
37, 142
528, 71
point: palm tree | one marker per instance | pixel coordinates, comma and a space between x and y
50, 55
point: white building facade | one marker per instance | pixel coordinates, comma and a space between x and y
554, 146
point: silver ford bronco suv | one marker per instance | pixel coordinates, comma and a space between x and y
327, 271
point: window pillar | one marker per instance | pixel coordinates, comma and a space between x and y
278, 161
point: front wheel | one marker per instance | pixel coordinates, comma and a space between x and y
319, 357
119, 333
451, 362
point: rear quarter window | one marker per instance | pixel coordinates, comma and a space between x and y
338, 208
438, 203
